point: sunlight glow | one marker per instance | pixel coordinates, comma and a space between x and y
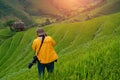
66, 4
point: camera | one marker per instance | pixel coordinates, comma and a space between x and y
32, 62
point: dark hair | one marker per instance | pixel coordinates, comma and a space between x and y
40, 32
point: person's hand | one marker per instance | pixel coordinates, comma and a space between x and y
56, 60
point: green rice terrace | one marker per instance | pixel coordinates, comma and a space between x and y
88, 50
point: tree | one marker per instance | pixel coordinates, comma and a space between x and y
1, 24
9, 23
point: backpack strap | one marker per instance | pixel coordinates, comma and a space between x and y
43, 37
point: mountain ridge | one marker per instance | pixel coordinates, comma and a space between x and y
9, 12
50, 8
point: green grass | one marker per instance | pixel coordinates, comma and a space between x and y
1, 24
87, 51
5, 33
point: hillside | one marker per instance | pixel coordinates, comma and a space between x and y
111, 6
104, 8
8, 11
87, 50
80, 10
53, 7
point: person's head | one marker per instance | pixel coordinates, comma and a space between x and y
40, 32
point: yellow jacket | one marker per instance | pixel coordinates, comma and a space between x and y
47, 53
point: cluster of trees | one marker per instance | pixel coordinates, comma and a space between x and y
2, 24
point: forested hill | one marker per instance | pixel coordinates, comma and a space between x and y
8, 11
80, 10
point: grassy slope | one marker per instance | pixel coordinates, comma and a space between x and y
87, 50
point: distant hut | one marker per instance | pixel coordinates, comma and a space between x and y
18, 26
47, 22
